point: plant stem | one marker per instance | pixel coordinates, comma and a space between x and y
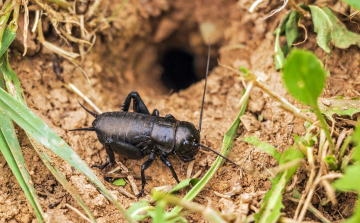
61, 3
301, 11
343, 149
325, 128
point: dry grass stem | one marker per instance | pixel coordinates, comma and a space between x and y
299, 9
37, 16
26, 24
293, 183
254, 5
246, 95
340, 140
129, 177
288, 165
222, 195
78, 92
273, 12
79, 213
308, 184
306, 34
315, 211
197, 174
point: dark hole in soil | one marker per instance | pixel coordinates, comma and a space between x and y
178, 69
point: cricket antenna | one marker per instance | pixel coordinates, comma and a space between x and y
205, 147
90, 112
203, 100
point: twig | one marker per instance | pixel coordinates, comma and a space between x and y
124, 192
78, 212
299, 9
130, 177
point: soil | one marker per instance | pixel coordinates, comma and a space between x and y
127, 58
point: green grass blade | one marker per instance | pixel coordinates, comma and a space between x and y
33, 125
183, 184
265, 147
226, 148
13, 85
273, 206
11, 150
5, 150
279, 57
353, 3
8, 38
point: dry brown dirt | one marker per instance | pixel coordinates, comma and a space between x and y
128, 61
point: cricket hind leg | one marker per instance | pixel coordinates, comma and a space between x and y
138, 104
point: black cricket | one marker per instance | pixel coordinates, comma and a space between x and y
136, 134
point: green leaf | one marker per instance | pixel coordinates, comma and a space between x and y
265, 147
244, 70
137, 210
291, 28
159, 212
331, 161
288, 156
304, 76
119, 182
331, 106
331, 32
323, 27
184, 183
271, 199
271, 210
350, 181
279, 57
353, 3
142, 209
8, 38
42, 133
